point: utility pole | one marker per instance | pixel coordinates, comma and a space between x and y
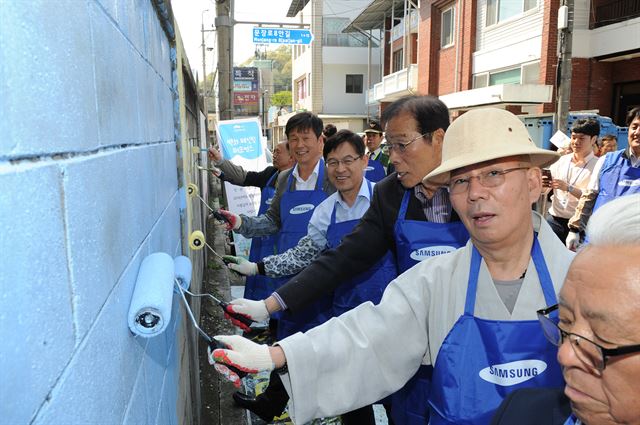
563, 81
224, 27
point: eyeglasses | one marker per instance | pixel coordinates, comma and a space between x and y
587, 351
491, 178
401, 147
347, 161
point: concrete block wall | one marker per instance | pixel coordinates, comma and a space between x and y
89, 178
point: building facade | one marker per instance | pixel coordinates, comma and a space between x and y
506, 53
331, 75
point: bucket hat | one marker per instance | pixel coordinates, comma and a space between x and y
483, 135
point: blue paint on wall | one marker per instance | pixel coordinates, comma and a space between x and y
90, 188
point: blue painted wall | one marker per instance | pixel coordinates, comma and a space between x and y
88, 188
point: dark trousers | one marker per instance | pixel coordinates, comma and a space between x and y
277, 396
560, 226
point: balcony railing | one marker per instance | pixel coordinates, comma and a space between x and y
610, 12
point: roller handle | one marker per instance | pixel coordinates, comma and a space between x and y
214, 345
237, 316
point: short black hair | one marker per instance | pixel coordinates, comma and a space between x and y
632, 115
329, 130
609, 137
588, 126
429, 112
304, 121
343, 136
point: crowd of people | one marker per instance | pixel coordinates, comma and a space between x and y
438, 290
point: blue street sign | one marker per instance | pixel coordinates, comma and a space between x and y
281, 36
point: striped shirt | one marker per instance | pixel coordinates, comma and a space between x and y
438, 208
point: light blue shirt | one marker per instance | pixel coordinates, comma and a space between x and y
321, 218
314, 242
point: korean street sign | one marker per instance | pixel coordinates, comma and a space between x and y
281, 36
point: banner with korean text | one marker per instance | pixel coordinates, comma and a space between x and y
241, 142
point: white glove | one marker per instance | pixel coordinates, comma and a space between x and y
241, 265
573, 239
241, 354
255, 310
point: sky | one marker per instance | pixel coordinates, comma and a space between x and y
190, 13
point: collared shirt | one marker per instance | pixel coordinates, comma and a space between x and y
563, 203
310, 246
594, 182
438, 208
311, 181
374, 155
321, 217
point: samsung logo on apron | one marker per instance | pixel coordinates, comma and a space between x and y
301, 209
269, 201
629, 183
513, 373
430, 251
369, 168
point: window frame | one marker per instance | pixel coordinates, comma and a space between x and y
354, 83
451, 9
498, 21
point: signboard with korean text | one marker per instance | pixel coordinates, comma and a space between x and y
245, 86
242, 73
241, 142
281, 36
245, 98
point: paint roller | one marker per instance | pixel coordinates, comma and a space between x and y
150, 310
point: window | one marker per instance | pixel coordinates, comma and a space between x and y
500, 10
301, 88
511, 76
448, 28
527, 73
354, 83
398, 62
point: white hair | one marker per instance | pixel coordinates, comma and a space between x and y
616, 222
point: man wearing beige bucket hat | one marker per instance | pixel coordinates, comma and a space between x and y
470, 313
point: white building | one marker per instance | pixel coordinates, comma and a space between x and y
330, 76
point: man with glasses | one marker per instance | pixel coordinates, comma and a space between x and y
412, 220
335, 216
470, 313
596, 327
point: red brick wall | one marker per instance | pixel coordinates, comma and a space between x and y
591, 85
468, 43
446, 70
592, 82
626, 71
548, 56
427, 62
387, 51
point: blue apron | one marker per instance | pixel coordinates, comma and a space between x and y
571, 420
259, 287
296, 209
367, 286
617, 178
415, 241
419, 240
375, 171
481, 361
